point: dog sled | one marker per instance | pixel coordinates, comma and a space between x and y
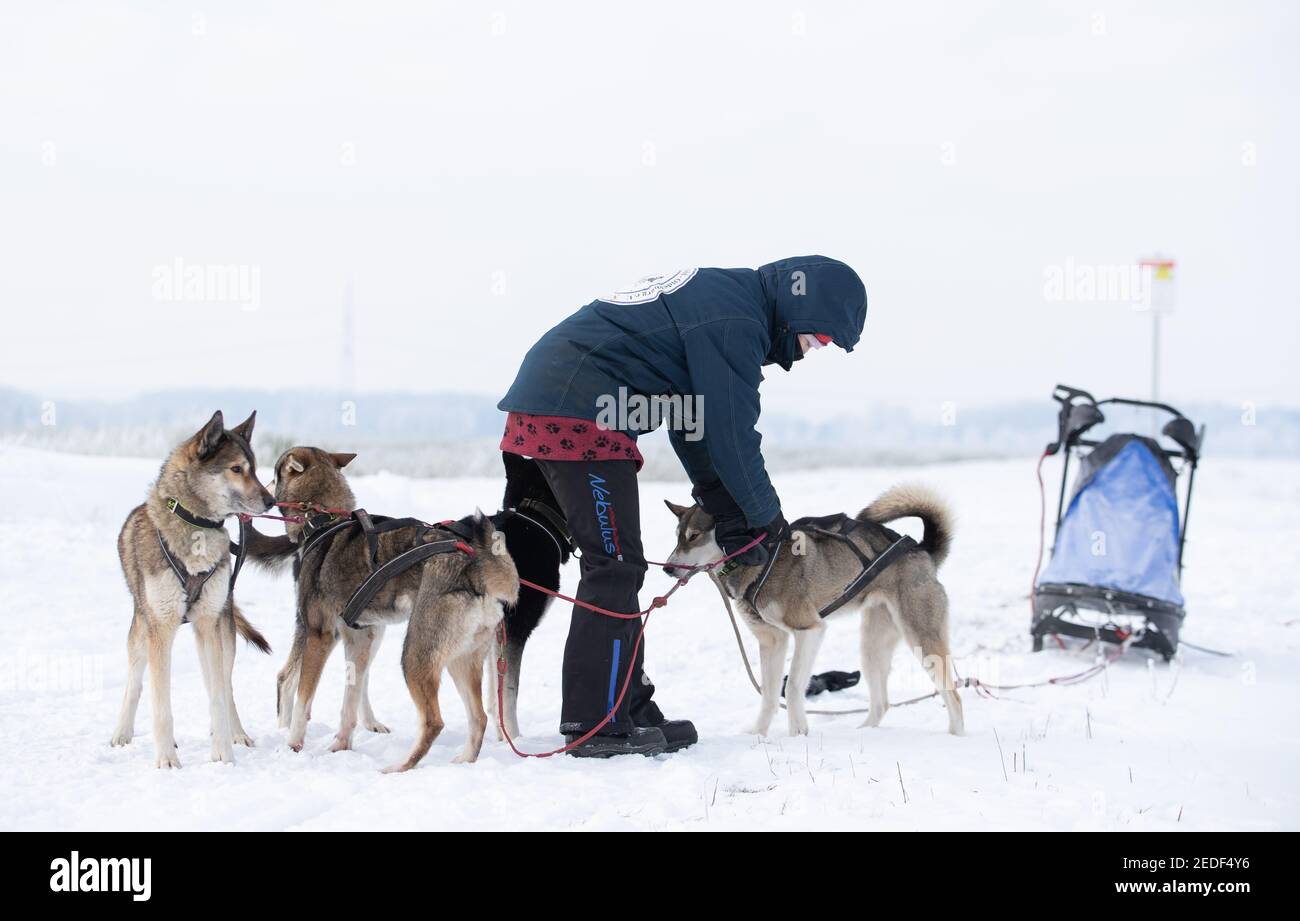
1117, 560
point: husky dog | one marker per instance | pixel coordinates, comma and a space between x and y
453, 602
176, 557
905, 601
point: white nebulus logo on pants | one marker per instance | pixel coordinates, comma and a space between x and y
650, 287
103, 874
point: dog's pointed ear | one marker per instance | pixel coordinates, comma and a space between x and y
245, 429
290, 463
483, 526
206, 439
342, 460
678, 510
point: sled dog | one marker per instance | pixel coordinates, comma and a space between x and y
176, 557
453, 602
905, 601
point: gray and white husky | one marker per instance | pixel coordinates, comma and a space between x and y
209, 477
905, 601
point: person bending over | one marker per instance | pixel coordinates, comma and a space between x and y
697, 341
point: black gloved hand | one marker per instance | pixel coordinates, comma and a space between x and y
737, 535
732, 533
730, 529
774, 528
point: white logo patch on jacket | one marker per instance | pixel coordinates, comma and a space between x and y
649, 288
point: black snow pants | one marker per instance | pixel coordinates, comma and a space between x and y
600, 503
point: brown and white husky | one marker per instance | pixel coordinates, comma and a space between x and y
453, 603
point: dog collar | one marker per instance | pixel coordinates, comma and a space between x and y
189, 517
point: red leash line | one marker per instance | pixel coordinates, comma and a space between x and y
657, 602
501, 690
300, 506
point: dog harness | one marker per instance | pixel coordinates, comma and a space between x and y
193, 582
541, 515
428, 541
836, 527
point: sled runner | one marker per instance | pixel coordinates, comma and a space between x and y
1116, 564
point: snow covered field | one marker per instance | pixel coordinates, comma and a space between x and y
1209, 743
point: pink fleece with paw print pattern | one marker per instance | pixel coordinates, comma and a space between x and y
564, 438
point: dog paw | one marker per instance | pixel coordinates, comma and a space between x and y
376, 726
120, 738
223, 754
341, 743
756, 729
798, 727
244, 739
465, 758
295, 745
168, 758
396, 768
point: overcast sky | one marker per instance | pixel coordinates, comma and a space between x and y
480, 170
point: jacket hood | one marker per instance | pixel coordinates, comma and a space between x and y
812, 294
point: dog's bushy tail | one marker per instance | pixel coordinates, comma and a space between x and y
913, 500
251, 633
273, 553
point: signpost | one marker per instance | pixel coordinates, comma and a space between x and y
1160, 296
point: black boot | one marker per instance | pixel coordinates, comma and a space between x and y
638, 741
678, 734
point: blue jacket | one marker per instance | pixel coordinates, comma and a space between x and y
702, 333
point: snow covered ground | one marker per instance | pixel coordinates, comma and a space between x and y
1208, 743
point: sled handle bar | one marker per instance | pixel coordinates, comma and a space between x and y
1147, 403
1179, 429
1063, 394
